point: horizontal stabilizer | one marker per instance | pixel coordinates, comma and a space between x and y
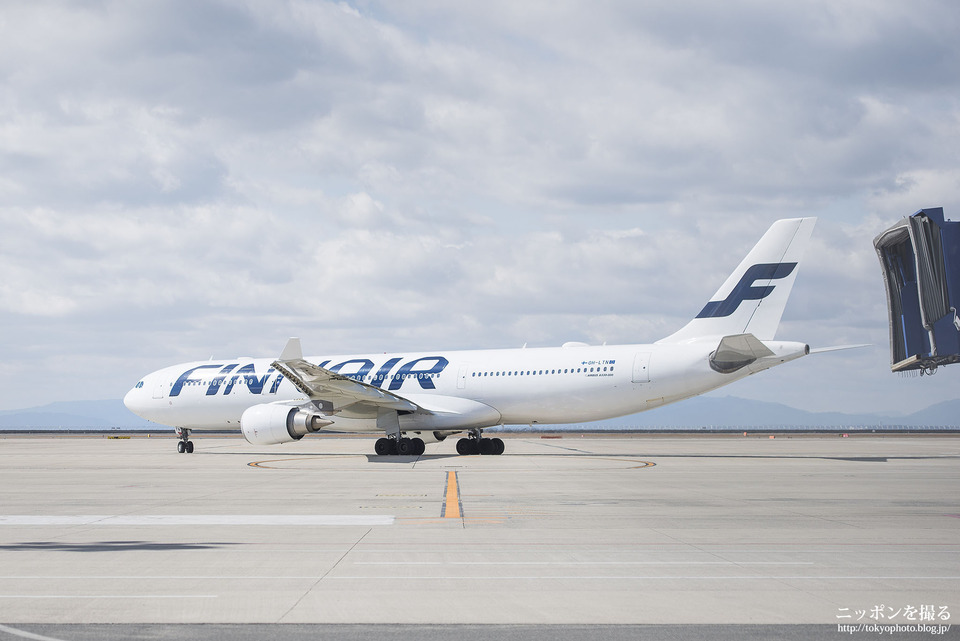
737, 351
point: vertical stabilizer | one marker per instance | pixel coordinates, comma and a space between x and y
753, 298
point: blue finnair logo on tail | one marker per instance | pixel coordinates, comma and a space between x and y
745, 289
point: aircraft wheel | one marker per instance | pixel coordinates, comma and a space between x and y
498, 446
487, 447
181, 447
467, 446
419, 447
404, 447
383, 447
189, 447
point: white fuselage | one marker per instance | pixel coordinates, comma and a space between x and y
434, 394
467, 389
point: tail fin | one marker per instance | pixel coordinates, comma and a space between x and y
752, 299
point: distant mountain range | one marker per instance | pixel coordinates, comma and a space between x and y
702, 412
731, 412
72, 415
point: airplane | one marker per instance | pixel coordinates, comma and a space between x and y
423, 397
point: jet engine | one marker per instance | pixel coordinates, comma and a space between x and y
272, 424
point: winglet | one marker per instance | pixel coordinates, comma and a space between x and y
292, 351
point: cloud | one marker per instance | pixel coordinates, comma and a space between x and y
180, 179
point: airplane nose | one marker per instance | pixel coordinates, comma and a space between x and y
133, 400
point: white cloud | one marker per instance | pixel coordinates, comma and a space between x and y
184, 178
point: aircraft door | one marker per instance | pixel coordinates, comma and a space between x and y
462, 377
159, 391
641, 367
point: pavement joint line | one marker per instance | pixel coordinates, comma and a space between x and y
147, 577
197, 519
109, 596
580, 577
324, 576
731, 563
298, 577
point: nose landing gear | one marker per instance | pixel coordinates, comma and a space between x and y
184, 445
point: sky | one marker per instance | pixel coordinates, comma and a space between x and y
187, 179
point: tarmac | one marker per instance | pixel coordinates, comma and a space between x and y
622, 530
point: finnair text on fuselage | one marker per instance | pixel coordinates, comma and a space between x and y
228, 375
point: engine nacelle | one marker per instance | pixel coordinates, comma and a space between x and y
272, 424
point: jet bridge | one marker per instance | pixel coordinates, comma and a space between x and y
920, 259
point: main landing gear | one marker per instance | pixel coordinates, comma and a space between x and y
184, 445
476, 444
473, 444
403, 446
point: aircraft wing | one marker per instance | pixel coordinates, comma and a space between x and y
333, 391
